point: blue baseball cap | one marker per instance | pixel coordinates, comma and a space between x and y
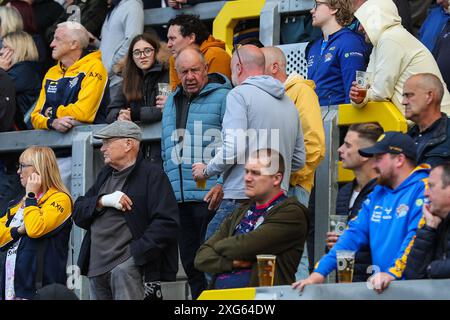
393, 142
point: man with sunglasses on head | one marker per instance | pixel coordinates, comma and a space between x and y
334, 58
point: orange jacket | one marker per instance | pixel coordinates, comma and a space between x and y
217, 58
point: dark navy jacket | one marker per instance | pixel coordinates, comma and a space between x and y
335, 70
429, 254
363, 258
153, 220
28, 85
437, 146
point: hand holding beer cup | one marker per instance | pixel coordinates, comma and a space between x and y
359, 87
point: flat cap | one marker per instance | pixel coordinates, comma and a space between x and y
120, 129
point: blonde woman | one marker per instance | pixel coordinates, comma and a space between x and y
35, 231
10, 21
19, 57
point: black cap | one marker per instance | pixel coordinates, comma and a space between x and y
392, 142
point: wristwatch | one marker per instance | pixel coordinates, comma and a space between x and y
31, 195
205, 174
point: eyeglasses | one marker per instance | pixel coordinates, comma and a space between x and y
147, 52
236, 49
318, 3
21, 166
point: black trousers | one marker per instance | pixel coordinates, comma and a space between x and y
194, 218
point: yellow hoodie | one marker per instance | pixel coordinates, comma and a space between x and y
52, 210
396, 54
301, 91
77, 91
217, 58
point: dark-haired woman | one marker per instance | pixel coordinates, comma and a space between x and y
137, 101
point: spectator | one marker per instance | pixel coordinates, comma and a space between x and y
138, 98
92, 16
434, 24
334, 58
302, 93
46, 12
352, 195
36, 229
428, 256
19, 57
270, 224
10, 21
73, 90
131, 219
55, 291
404, 12
422, 97
388, 219
441, 52
185, 30
29, 26
124, 21
396, 55
195, 107
9, 182
260, 113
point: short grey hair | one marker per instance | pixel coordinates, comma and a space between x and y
77, 32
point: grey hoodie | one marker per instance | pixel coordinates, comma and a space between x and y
259, 103
124, 22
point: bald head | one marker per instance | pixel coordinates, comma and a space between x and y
429, 82
247, 61
275, 63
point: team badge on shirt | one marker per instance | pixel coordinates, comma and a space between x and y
402, 210
328, 57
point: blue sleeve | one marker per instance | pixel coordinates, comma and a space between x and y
352, 58
356, 236
415, 214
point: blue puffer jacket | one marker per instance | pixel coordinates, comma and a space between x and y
206, 112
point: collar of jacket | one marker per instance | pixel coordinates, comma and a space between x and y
439, 134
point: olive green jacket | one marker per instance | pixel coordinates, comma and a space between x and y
283, 233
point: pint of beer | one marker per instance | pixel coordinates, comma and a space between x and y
345, 265
363, 82
266, 269
201, 184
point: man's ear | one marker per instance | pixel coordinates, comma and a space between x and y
278, 178
192, 38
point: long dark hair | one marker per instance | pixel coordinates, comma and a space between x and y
133, 77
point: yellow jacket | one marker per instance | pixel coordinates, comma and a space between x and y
77, 91
52, 210
217, 58
301, 91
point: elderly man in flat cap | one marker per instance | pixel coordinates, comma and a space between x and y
131, 218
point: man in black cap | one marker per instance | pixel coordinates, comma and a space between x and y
389, 217
131, 218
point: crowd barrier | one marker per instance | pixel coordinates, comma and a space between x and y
397, 290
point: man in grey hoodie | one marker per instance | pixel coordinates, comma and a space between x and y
258, 115
124, 21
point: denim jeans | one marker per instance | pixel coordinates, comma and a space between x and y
226, 207
303, 197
